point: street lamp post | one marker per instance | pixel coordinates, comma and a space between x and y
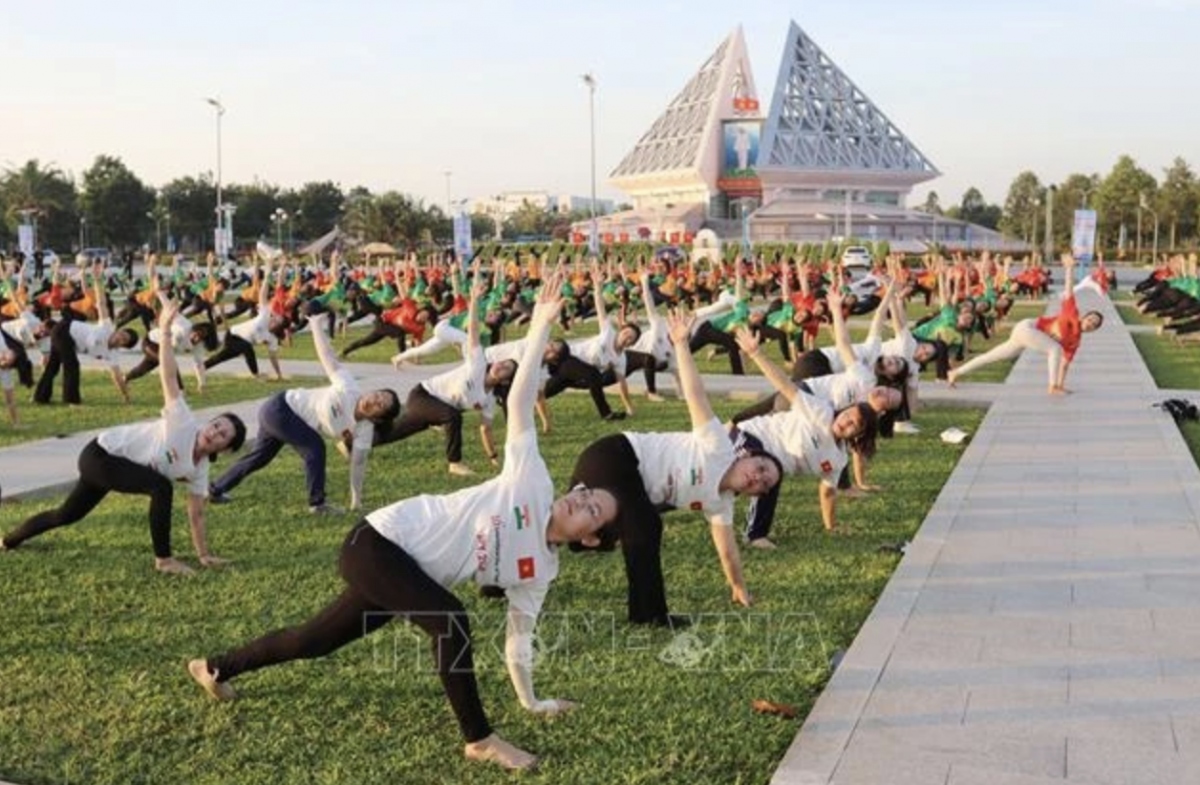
279, 217
1048, 242
219, 239
589, 79
1144, 204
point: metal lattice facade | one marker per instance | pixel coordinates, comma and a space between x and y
820, 120
675, 140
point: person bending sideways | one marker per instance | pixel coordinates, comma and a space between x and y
699, 470
145, 459
400, 562
1058, 336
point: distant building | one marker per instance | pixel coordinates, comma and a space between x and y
824, 163
501, 206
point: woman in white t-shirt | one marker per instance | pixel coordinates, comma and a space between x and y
402, 560
442, 399
145, 459
302, 418
812, 437
698, 470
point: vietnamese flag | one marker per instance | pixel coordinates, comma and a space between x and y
525, 568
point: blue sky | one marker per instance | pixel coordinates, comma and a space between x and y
392, 94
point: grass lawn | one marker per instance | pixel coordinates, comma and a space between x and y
103, 406
1130, 315
94, 644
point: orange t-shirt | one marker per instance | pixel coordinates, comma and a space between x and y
1064, 327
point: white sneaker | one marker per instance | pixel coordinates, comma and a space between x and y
655, 397
906, 426
217, 690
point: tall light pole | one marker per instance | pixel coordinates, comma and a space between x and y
219, 243
1048, 243
278, 218
1144, 203
589, 79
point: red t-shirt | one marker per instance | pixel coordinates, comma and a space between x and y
1064, 327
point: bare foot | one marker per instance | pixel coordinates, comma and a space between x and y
172, 566
461, 470
762, 543
216, 690
494, 749
951, 379
655, 397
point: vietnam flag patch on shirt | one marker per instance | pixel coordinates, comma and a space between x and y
826, 467
525, 569
697, 506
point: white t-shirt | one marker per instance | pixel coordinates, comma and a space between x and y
330, 410
599, 350
842, 389
904, 345
22, 328
166, 446
867, 353
684, 470
494, 532
92, 340
513, 350
654, 339
181, 336
257, 330
462, 387
800, 438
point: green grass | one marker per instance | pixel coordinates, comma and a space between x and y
1175, 367
94, 642
1130, 315
102, 404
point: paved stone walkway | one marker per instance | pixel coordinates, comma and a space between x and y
1044, 625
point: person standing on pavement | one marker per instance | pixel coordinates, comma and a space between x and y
145, 459
302, 418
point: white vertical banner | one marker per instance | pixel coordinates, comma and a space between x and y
462, 237
25, 239
1083, 236
594, 238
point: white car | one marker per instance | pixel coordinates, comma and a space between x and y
857, 256
89, 256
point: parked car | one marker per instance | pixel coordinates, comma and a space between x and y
857, 256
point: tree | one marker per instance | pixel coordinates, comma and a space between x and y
975, 209
256, 203
191, 202
482, 225
1179, 200
1021, 208
115, 202
932, 205
1118, 198
47, 191
319, 208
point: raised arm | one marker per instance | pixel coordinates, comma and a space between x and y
679, 328
525, 384
841, 333
321, 343
168, 369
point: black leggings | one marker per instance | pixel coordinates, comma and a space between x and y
706, 335
149, 363
64, 357
572, 372
232, 347
635, 360
100, 473
610, 463
382, 582
422, 410
379, 330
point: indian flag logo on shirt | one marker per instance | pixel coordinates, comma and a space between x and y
337, 410
171, 455
525, 569
697, 476
521, 514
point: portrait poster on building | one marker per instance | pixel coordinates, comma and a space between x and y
741, 148
462, 237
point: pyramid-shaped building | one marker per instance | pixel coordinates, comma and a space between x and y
824, 162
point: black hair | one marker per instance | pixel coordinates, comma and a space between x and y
239, 433
559, 350
940, 358
208, 335
637, 331
133, 336
754, 452
864, 443
392, 411
1099, 316
512, 363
